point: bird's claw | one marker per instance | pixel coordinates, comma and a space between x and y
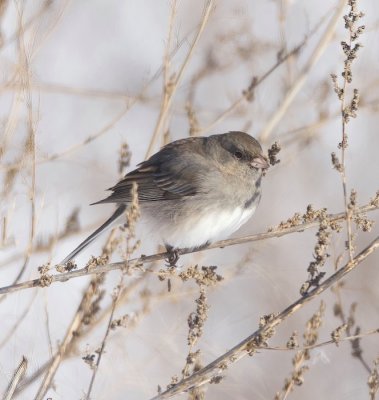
172, 257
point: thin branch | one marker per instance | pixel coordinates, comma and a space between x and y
171, 87
71, 333
343, 175
47, 87
132, 214
10, 124
105, 338
84, 312
348, 110
28, 24
99, 318
17, 376
31, 143
215, 368
348, 321
106, 128
300, 80
325, 343
138, 262
248, 92
168, 88
32, 378
130, 102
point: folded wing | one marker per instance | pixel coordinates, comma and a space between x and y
172, 173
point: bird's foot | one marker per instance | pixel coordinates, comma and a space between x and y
172, 256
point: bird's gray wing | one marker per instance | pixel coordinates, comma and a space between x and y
174, 172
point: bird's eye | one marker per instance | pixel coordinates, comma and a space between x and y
238, 154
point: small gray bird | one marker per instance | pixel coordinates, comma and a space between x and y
193, 191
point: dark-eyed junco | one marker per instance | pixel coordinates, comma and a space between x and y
193, 191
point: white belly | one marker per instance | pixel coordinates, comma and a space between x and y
209, 227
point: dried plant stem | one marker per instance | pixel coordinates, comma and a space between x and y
28, 24
87, 329
299, 365
373, 380
84, 310
84, 332
296, 365
132, 214
325, 343
215, 368
345, 320
161, 256
249, 91
168, 88
41, 86
293, 136
344, 179
282, 14
348, 219
171, 86
125, 295
102, 347
27, 381
106, 128
17, 376
10, 124
58, 17
66, 345
348, 111
31, 143
300, 80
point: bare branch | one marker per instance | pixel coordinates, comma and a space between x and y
171, 87
64, 347
17, 376
138, 262
300, 80
213, 370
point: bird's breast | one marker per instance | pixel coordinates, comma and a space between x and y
199, 228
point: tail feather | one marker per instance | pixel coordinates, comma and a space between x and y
107, 224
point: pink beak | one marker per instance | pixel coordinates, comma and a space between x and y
260, 162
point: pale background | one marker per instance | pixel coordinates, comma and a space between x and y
85, 58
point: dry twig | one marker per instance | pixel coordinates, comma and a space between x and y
300, 80
138, 262
171, 84
16, 378
218, 366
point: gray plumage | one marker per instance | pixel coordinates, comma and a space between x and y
193, 190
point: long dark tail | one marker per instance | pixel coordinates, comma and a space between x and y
120, 210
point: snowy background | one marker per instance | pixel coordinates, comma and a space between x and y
86, 76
